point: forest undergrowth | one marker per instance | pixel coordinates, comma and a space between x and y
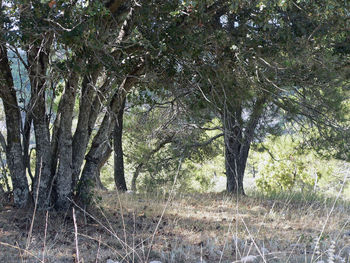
127, 227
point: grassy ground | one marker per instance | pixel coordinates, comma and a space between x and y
188, 228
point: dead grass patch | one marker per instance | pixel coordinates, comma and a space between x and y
194, 228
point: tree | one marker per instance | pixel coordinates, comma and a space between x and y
256, 62
69, 48
289, 164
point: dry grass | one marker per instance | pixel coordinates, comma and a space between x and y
194, 228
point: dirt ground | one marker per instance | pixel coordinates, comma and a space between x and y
187, 228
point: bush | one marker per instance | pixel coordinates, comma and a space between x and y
287, 165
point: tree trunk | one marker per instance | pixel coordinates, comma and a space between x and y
91, 102
91, 173
82, 134
13, 123
119, 176
236, 153
38, 61
94, 157
101, 141
63, 181
238, 138
87, 180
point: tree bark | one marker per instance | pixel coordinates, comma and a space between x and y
101, 140
119, 176
236, 155
87, 181
98, 147
82, 134
14, 154
38, 58
238, 138
90, 178
63, 181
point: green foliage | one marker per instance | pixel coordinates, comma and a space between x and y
106, 175
155, 119
288, 166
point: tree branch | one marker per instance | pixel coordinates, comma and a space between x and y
206, 142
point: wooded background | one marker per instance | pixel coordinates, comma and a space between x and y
180, 82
